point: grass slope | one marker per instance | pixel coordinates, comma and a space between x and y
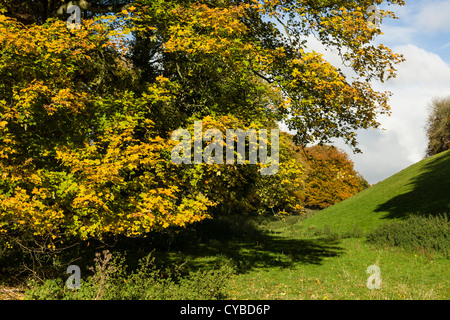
291, 259
423, 188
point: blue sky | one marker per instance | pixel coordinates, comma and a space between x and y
422, 35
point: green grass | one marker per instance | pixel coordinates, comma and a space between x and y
325, 255
404, 276
423, 188
280, 259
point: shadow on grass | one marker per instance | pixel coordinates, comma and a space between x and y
238, 239
248, 247
430, 194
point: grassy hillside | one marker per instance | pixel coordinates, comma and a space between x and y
422, 188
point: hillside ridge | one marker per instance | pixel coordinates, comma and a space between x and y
422, 188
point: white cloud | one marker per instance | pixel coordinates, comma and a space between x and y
434, 16
422, 77
397, 34
421, 67
381, 155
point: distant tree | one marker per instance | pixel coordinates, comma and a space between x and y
438, 126
331, 177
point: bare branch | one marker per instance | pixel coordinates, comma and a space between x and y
262, 76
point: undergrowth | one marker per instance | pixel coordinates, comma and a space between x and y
111, 281
417, 232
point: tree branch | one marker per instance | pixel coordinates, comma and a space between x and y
262, 77
96, 8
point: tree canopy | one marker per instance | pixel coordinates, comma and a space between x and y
87, 114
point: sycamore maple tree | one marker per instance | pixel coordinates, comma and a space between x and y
87, 114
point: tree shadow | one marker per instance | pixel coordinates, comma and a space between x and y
430, 194
247, 246
238, 239
271, 252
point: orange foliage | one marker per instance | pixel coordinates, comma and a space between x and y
331, 177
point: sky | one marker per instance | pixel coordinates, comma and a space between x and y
422, 35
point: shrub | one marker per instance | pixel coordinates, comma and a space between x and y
110, 281
430, 233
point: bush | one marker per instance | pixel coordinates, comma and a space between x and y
110, 281
430, 233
